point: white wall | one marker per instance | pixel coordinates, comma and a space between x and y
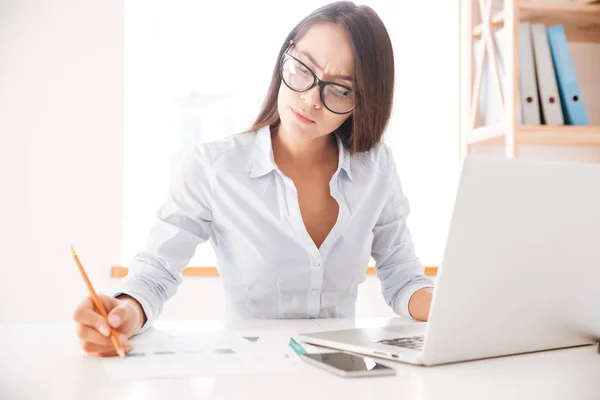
61, 151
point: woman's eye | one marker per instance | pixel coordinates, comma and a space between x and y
303, 70
340, 92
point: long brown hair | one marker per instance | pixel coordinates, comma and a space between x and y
373, 80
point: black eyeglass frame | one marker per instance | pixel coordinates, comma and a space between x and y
316, 81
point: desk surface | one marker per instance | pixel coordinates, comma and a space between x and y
43, 361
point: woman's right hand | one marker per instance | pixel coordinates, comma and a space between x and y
125, 315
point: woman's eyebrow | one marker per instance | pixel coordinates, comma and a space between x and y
312, 60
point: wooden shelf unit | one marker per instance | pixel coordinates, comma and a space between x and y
564, 135
582, 24
581, 21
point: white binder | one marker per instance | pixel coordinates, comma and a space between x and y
530, 105
549, 97
490, 106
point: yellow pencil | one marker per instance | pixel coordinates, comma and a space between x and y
113, 335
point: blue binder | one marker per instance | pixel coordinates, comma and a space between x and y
566, 77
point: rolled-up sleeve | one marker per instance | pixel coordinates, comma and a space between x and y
398, 268
184, 221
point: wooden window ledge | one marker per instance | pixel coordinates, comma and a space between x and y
118, 271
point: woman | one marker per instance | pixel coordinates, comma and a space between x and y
294, 207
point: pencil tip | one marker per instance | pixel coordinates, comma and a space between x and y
72, 249
121, 352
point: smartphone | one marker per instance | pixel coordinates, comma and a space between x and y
348, 365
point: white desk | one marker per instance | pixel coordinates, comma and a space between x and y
43, 361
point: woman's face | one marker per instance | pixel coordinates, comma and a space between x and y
326, 51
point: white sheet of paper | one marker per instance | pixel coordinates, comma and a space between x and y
204, 354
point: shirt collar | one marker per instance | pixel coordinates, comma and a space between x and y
262, 154
344, 158
263, 161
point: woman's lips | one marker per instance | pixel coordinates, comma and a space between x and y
301, 117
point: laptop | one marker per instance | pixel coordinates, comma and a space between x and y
520, 272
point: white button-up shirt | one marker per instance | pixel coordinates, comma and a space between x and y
232, 193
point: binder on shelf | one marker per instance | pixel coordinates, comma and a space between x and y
571, 99
548, 87
528, 77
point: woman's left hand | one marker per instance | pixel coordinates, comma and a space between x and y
419, 304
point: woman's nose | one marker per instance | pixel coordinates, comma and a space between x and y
313, 97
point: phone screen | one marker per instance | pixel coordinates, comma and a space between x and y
347, 362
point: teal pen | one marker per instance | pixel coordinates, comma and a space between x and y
297, 347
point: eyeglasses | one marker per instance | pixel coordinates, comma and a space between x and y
338, 99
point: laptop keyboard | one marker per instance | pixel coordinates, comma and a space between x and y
413, 342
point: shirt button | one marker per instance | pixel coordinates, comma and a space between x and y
317, 264
314, 292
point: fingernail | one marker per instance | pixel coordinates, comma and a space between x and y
104, 330
114, 320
